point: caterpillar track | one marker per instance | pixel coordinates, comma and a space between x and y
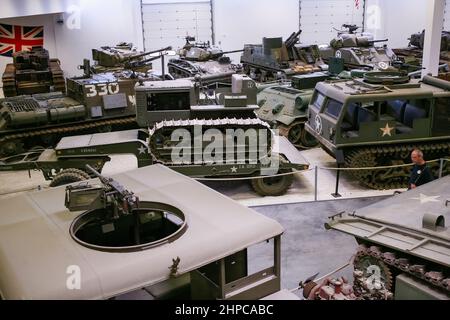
393, 178
9, 81
162, 146
392, 263
59, 83
14, 143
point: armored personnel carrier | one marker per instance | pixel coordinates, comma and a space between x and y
112, 230
359, 50
379, 121
404, 244
32, 72
202, 59
96, 103
275, 59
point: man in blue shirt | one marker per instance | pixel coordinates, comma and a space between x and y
421, 173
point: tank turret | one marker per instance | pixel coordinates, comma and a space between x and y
32, 72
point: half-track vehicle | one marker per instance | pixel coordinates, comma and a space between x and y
95, 103
275, 59
378, 121
114, 228
404, 244
359, 50
32, 72
201, 58
204, 135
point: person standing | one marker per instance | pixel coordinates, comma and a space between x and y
420, 173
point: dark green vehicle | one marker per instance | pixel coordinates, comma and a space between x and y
96, 103
379, 121
32, 72
404, 244
276, 59
210, 134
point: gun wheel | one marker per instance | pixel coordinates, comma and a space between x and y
69, 176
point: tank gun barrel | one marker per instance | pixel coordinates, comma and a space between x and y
147, 53
377, 41
233, 51
293, 39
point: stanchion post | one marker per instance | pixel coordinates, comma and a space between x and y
316, 174
441, 167
336, 192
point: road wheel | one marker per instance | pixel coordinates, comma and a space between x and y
272, 186
69, 176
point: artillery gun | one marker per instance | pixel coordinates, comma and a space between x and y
359, 50
404, 244
275, 59
202, 59
377, 121
32, 72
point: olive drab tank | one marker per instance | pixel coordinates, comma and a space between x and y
32, 72
378, 121
359, 50
93, 103
405, 241
275, 59
202, 59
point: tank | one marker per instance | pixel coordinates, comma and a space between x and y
113, 229
32, 72
359, 51
413, 54
378, 121
125, 61
203, 59
404, 244
276, 59
96, 103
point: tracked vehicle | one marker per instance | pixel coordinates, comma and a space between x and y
96, 103
275, 59
379, 121
32, 72
200, 58
112, 230
210, 135
404, 244
359, 50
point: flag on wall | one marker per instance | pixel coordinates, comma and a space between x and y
18, 38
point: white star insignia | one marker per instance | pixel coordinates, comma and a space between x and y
233, 169
142, 150
424, 198
387, 130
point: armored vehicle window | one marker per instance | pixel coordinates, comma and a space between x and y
441, 124
318, 99
168, 101
333, 108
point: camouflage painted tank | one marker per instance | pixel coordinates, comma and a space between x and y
32, 72
379, 121
404, 244
275, 59
202, 59
359, 50
92, 104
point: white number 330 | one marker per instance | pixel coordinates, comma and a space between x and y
102, 89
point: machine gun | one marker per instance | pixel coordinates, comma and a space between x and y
111, 196
351, 28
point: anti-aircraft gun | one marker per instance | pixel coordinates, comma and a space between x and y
202, 58
32, 72
359, 50
275, 59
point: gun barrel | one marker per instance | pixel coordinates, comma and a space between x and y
376, 41
93, 171
147, 53
233, 51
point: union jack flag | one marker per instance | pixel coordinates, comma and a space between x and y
19, 38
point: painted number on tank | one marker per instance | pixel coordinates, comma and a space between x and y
102, 89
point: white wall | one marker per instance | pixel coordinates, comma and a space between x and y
18, 8
395, 20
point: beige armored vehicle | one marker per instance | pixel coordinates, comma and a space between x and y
141, 231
